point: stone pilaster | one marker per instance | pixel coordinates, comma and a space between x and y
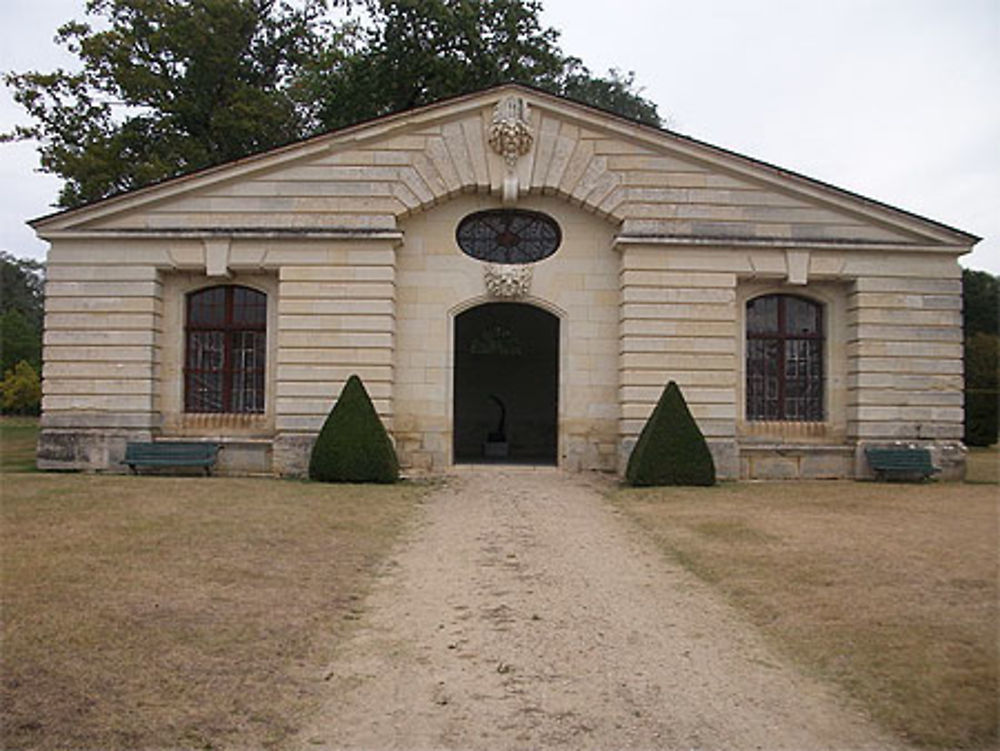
336, 317
678, 325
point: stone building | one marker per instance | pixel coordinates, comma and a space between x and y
515, 277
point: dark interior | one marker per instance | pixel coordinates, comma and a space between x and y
506, 384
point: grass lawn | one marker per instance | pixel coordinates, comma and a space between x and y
889, 590
158, 612
18, 436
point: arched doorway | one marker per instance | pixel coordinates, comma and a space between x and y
506, 384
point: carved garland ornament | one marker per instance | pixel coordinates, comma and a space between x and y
511, 137
507, 280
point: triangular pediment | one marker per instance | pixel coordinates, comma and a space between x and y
650, 182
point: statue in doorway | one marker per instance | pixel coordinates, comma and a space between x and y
496, 445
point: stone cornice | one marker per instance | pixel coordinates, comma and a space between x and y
779, 243
394, 236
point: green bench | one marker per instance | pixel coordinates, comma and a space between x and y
900, 463
172, 454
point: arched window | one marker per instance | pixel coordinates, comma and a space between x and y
784, 366
226, 349
515, 236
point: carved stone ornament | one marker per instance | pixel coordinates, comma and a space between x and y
507, 280
510, 132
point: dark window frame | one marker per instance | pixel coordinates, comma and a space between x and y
200, 395
760, 366
508, 236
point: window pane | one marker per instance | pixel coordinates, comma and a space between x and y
207, 307
205, 359
226, 350
508, 236
204, 392
247, 359
206, 350
801, 316
803, 380
784, 368
763, 391
762, 315
249, 307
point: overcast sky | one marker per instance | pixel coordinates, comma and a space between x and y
898, 100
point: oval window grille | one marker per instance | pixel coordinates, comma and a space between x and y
511, 236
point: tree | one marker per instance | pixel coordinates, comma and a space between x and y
982, 362
980, 302
20, 390
616, 93
414, 52
671, 449
981, 321
166, 87
21, 283
352, 445
19, 340
170, 86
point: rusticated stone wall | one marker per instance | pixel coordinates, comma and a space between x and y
351, 236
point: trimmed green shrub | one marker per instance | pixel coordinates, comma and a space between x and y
671, 449
353, 446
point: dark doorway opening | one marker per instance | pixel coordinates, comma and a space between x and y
506, 384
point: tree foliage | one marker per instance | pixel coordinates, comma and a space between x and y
981, 320
20, 390
982, 394
980, 302
166, 87
671, 449
21, 284
415, 52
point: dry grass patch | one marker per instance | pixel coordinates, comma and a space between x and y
155, 612
889, 590
983, 465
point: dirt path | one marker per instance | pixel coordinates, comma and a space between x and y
523, 613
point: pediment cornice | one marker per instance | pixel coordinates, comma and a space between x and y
623, 171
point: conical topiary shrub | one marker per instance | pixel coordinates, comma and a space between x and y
671, 449
353, 446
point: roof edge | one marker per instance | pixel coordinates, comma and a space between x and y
319, 142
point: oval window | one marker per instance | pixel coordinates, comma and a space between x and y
508, 236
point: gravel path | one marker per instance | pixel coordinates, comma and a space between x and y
523, 613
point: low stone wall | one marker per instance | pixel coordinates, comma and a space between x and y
796, 462
287, 455
838, 462
104, 451
86, 450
